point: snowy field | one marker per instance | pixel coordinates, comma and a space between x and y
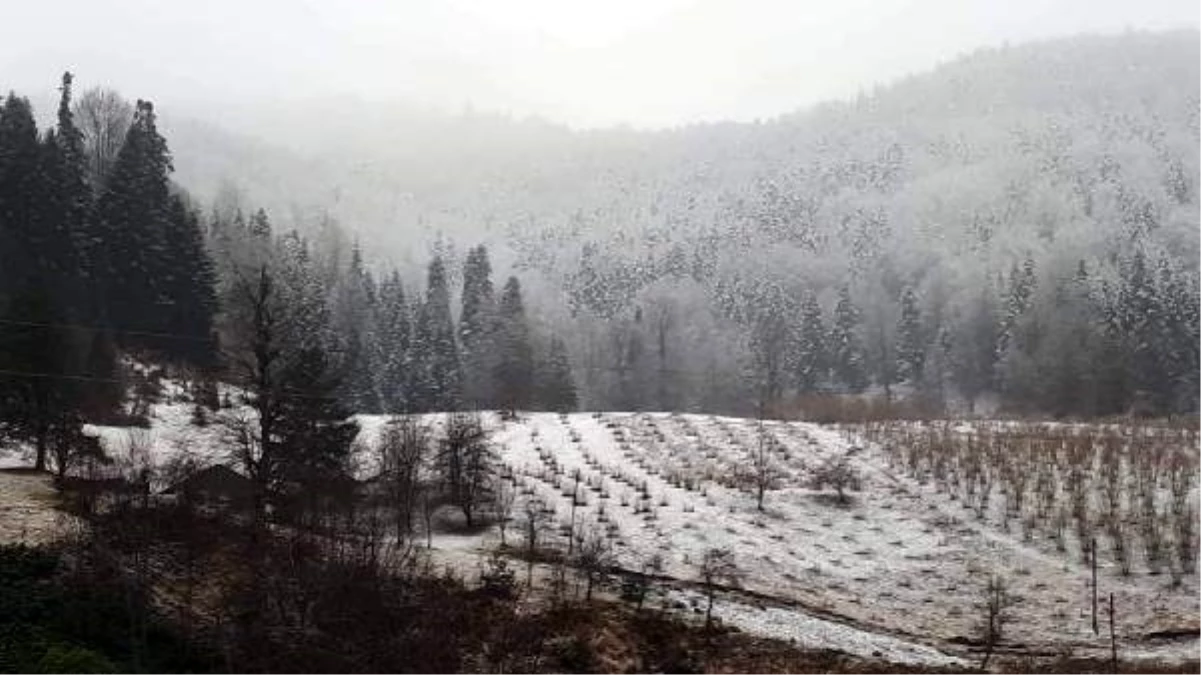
896, 572
899, 560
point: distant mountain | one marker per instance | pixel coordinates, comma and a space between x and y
970, 135
664, 257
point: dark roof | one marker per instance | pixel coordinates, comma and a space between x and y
215, 475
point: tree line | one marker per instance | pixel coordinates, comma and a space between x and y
103, 255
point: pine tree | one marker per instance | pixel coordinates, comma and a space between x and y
555, 385
1181, 339
132, 224
911, 343
356, 336
1140, 318
477, 328
846, 350
395, 327
187, 286
810, 364
437, 383
974, 357
67, 210
515, 358
768, 345
23, 237
1022, 284
37, 400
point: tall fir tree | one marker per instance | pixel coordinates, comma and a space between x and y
187, 284
846, 348
555, 385
38, 398
477, 329
1140, 319
911, 340
68, 201
395, 326
438, 380
23, 236
809, 361
515, 357
132, 222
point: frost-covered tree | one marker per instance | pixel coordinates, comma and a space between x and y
555, 385
477, 331
911, 340
809, 361
437, 383
395, 332
514, 370
846, 351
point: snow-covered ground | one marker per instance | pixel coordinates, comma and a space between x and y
898, 572
27, 509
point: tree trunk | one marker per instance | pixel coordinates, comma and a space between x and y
40, 461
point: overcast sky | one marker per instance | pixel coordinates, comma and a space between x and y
648, 63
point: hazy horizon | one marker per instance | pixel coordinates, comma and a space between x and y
646, 65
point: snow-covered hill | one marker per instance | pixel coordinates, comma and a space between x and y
899, 570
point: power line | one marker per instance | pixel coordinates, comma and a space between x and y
109, 380
100, 329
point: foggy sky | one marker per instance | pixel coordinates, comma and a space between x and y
647, 63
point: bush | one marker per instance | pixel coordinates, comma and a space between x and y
69, 659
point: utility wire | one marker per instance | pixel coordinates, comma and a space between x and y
100, 329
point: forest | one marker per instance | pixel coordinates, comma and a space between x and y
1012, 238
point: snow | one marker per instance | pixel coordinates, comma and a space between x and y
897, 572
27, 513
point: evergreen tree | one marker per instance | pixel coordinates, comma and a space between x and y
437, 383
1181, 338
314, 430
477, 327
911, 343
846, 350
356, 336
187, 286
515, 357
810, 364
555, 385
395, 327
23, 237
1140, 320
769, 345
1022, 283
132, 225
67, 204
974, 346
38, 399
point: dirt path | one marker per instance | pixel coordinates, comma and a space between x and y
28, 512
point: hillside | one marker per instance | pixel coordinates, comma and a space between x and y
1067, 158
896, 571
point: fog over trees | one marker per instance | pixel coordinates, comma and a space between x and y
1017, 230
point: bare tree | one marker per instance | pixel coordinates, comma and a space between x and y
636, 586
717, 568
504, 496
594, 560
996, 615
258, 323
837, 473
763, 474
466, 462
404, 445
103, 117
534, 520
